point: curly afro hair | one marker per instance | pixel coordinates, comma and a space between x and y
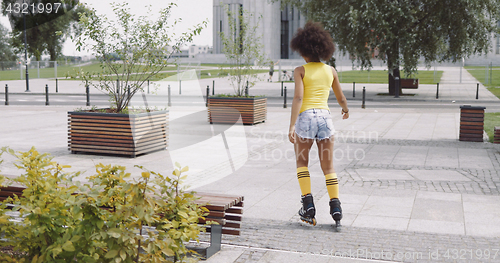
313, 42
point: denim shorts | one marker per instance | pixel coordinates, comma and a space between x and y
314, 124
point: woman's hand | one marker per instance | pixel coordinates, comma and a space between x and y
345, 115
291, 134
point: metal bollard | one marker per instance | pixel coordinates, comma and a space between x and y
46, 94
169, 101
364, 95
246, 90
118, 86
282, 89
6, 94
437, 91
208, 94
148, 86
477, 91
180, 91
213, 87
87, 91
396, 90
57, 86
284, 98
354, 89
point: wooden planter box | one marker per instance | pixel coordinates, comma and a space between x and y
496, 137
471, 123
117, 134
228, 110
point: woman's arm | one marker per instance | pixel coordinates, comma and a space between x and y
297, 101
339, 94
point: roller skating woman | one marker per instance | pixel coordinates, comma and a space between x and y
311, 120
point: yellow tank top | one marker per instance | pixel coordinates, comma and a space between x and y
318, 79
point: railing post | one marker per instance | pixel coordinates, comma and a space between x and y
491, 71
284, 98
6, 94
46, 94
169, 101
486, 75
364, 95
87, 91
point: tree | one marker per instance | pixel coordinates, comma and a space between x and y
404, 31
44, 18
6, 50
243, 49
143, 48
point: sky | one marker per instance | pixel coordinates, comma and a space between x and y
191, 12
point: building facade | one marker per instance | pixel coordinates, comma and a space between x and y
276, 27
194, 50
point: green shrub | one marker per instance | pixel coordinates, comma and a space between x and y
105, 221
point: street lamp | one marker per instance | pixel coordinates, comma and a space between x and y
26, 54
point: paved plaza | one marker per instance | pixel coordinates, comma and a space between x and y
410, 191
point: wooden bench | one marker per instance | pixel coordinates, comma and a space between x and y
226, 210
409, 83
10, 191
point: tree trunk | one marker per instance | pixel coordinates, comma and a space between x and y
52, 53
393, 66
392, 83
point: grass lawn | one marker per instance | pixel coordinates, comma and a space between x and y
62, 71
495, 91
214, 72
67, 71
493, 84
480, 74
490, 121
381, 76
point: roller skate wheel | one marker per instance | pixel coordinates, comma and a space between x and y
311, 221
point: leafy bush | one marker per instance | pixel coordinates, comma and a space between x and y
110, 219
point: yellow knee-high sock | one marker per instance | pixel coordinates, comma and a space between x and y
332, 185
304, 180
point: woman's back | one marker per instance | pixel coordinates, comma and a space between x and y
318, 79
